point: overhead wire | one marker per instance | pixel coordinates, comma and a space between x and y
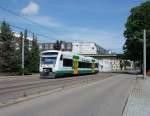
25, 18
38, 34
29, 20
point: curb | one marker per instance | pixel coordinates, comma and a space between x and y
129, 94
122, 113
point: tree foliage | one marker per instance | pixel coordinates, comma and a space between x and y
57, 45
11, 51
138, 20
18, 52
34, 55
7, 47
26, 53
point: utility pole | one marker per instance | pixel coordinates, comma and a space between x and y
23, 56
144, 53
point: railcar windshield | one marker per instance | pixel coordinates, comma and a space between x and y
48, 60
49, 57
50, 53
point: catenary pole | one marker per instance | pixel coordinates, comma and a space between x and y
144, 53
23, 56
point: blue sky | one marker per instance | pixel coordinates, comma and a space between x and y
100, 21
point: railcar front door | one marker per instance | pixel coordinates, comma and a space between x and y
75, 64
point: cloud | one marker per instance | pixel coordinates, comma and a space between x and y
31, 9
31, 12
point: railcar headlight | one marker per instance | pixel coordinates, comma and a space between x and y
45, 70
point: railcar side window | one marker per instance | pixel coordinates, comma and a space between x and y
67, 62
85, 65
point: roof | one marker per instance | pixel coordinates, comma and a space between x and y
104, 55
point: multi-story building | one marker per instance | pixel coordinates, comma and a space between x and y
46, 46
88, 48
64, 46
17, 41
79, 48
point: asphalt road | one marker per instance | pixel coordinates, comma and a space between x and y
17, 87
102, 98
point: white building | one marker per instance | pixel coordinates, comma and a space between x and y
87, 48
109, 62
18, 40
105, 65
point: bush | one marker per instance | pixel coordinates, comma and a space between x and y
26, 72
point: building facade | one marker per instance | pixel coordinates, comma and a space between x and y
18, 41
87, 48
64, 46
76, 47
110, 62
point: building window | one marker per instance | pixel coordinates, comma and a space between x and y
114, 67
17, 46
40, 46
51, 46
69, 46
46, 46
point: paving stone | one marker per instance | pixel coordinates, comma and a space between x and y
139, 99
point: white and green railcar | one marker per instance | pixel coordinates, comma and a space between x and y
55, 63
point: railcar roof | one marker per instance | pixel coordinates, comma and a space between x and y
51, 51
68, 53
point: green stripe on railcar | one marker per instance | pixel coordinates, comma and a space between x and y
71, 72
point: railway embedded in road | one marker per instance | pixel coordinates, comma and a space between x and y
17, 88
98, 98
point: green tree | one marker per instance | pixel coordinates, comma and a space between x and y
7, 60
18, 52
26, 53
34, 55
57, 45
138, 20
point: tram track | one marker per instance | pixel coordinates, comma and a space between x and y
33, 84
16, 90
17, 80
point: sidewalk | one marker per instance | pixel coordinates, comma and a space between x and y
139, 99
